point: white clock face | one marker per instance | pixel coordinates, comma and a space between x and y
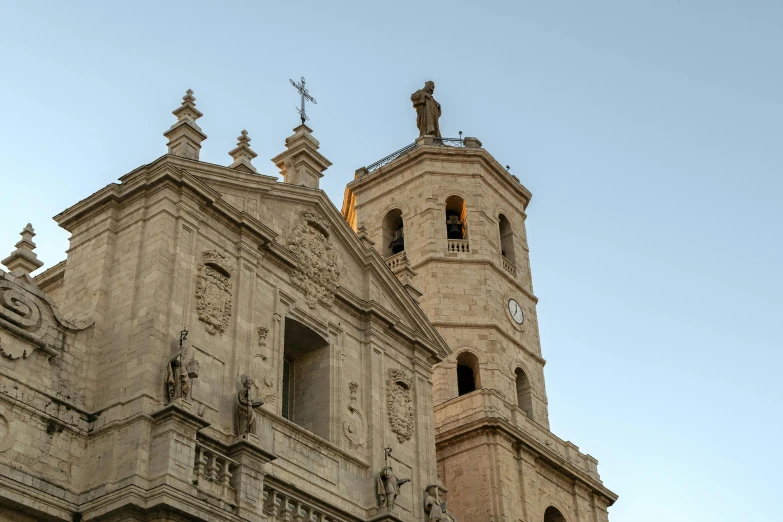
516, 311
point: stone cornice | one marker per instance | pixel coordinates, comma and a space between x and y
455, 154
484, 423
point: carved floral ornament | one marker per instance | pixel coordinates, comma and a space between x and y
213, 292
316, 274
399, 404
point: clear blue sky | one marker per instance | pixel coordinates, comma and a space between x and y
648, 132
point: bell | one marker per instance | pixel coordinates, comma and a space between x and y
398, 243
453, 227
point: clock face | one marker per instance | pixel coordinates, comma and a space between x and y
516, 311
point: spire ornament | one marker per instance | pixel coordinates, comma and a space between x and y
23, 260
243, 155
185, 136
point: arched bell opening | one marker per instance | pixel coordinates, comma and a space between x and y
524, 392
552, 514
456, 218
506, 239
393, 233
467, 373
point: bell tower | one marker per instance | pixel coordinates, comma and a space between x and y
449, 221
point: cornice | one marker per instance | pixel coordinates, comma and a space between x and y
454, 154
494, 424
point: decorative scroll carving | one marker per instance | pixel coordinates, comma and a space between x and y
354, 429
29, 320
317, 273
214, 292
399, 404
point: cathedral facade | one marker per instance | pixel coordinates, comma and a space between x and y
222, 346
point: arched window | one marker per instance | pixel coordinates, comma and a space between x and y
456, 218
524, 393
393, 233
506, 239
306, 378
467, 373
552, 514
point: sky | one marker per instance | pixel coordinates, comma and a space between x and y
650, 134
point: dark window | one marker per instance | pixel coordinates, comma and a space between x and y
466, 382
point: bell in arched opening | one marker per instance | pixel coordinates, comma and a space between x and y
398, 243
453, 225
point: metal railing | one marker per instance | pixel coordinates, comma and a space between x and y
391, 157
450, 142
446, 142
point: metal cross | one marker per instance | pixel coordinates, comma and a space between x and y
305, 97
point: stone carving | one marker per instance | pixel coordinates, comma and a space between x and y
354, 429
399, 404
436, 509
263, 331
7, 431
316, 274
214, 292
388, 486
180, 372
427, 110
22, 312
245, 415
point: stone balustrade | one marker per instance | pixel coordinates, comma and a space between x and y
457, 246
212, 474
486, 404
395, 261
508, 265
281, 506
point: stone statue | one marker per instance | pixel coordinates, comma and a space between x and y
389, 488
434, 508
427, 110
245, 418
179, 373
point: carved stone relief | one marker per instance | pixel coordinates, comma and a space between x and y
316, 274
399, 404
214, 292
263, 331
354, 429
7, 430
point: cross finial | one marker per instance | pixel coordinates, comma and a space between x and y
305, 97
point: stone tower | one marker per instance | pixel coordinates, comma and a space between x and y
449, 221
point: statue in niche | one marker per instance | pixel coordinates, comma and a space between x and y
245, 418
427, 110
436, 509
178, 372
389, 485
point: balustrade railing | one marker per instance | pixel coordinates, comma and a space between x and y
396, 260
508, 265
280, 506
212, 473
457, 245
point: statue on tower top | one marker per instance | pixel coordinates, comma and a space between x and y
427, 110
